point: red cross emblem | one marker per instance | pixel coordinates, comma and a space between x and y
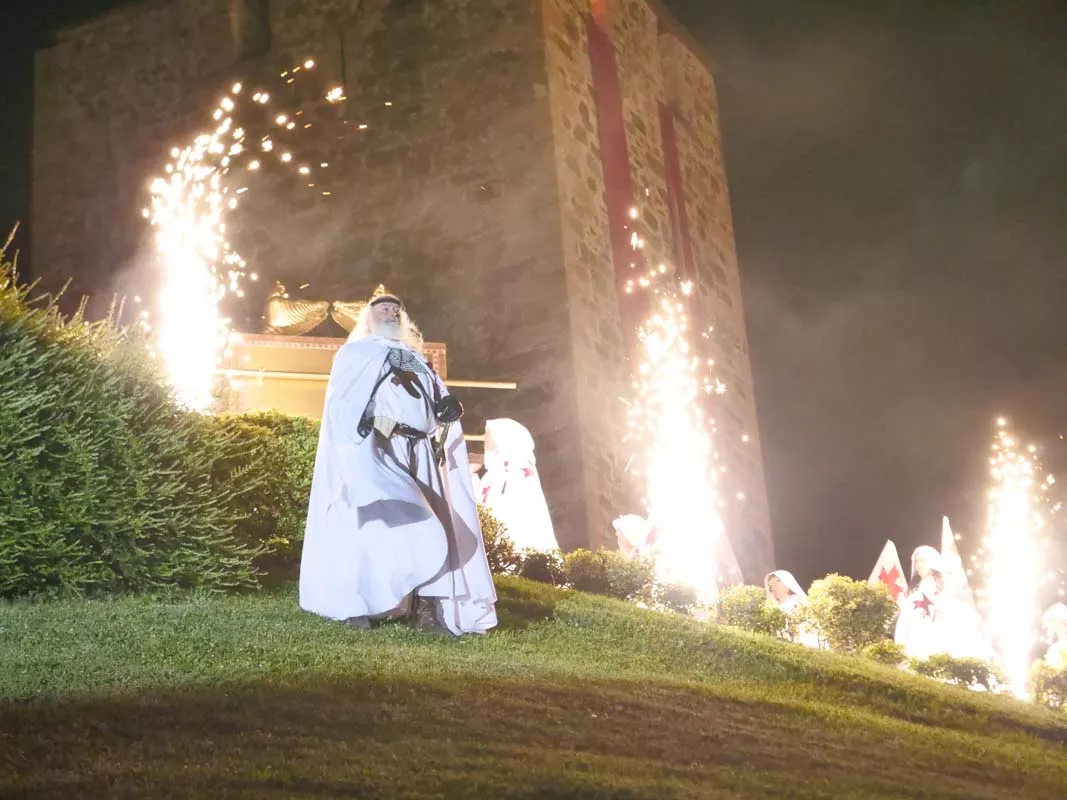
892, 580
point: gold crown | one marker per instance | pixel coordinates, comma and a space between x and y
383, 295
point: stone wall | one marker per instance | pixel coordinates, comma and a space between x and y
690, 91
657, 64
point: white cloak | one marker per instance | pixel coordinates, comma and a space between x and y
511, 488
381, 526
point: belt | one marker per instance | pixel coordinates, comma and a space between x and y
408, 432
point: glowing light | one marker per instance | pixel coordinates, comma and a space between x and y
199, 268
673, 442
1013, 545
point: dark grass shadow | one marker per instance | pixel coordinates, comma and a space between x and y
450, 737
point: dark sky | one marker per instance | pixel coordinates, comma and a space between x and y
899, 181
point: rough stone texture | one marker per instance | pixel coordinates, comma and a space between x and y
656, 64
477, 196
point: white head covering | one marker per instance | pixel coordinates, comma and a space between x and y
931, 556
508, 440
786, 578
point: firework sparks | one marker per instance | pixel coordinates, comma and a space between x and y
1015, 532
199, 267
674, 441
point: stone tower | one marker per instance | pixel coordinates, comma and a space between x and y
506, 142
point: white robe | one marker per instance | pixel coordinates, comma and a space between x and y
511, 488
381, 526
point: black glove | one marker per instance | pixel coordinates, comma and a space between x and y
448, 409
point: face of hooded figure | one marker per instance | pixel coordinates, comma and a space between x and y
779, 591
922, 569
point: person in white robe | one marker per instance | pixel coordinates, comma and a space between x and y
934, 617
511, 488
784, 590
392, 526
1054, 620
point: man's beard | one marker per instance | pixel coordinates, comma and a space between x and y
390, 330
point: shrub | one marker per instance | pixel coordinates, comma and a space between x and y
1048, 685
850, 614
266, 459
610, 573
967, 672
885, 652
499, 549
544, 566
99, 489
749, 608
675, 597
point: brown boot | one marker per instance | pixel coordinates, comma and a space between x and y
424, 616
359, 623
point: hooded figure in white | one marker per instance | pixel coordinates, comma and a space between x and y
511, 489
934, 617
783, 589
392, 524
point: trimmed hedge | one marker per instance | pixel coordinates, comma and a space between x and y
850, 614
100, 490
748, 608
263, 461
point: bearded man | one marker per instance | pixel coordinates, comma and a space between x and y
392, 524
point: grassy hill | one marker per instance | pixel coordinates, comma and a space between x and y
575, 696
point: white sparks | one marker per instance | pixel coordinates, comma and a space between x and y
1014, 532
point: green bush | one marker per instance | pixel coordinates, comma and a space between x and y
1048, 685
544, 566
885, 652
499, 549
749, 608
100, 491
967, 672
265, 460
609, 572
675, 597
850, 614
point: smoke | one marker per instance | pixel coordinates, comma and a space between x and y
894, 176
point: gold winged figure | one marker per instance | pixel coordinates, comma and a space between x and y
293, 317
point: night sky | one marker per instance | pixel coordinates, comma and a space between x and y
898, 175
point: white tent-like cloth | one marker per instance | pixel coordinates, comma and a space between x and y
384, 522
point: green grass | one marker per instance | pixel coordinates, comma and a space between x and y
575, 696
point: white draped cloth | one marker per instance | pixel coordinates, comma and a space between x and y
511, 488
382, 523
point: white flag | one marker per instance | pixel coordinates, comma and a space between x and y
889, 571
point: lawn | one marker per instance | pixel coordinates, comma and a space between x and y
575, 696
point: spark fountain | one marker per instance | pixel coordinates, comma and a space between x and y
673, 442
189, 210
1012, 553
